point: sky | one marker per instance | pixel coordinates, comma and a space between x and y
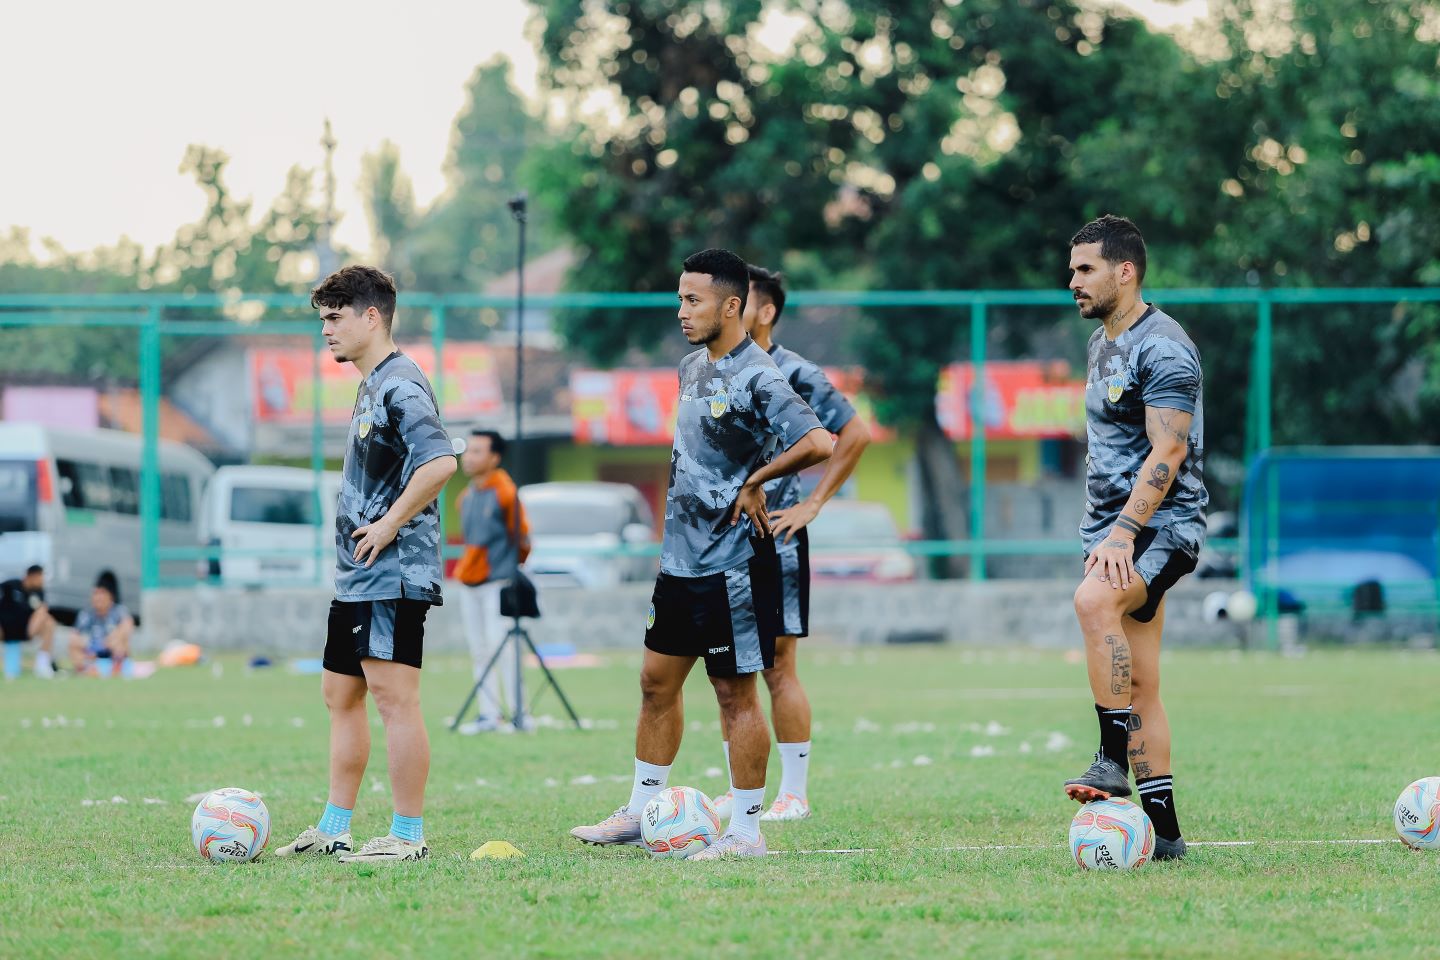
101, 99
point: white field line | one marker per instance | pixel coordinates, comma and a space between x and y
979, 847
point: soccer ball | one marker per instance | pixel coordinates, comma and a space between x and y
679, 822
230, 826
1111, 834
1417, 814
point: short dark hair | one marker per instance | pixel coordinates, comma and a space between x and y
33, 569
726, 271
771, 285
360, 287
108, 582
497, 442
1119, 241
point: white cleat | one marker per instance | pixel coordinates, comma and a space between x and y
787, 806
621, 828
724, 805
315, 843
388, 849
731, 846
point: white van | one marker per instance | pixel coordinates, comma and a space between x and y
70, 501
268, 527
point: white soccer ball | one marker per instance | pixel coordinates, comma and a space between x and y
680, 821
1242, 606
230, 826
1111, 834
1417, 814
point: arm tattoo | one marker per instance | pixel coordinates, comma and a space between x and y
1119, 664
1118, 543
1128, 525
1142, 506
1164, 421
1159, 477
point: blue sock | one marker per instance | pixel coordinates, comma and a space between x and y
408, 828
335, 821
12, 659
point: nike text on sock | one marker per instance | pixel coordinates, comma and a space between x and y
1157, 799
745, 817
335, 820
650, 779
408, 828
794, 768
1115, 734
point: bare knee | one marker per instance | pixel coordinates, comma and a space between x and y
340, 700
657, 691
735, 694
1097, 601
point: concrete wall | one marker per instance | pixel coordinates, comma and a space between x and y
997, 613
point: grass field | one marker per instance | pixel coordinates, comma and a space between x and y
916, 751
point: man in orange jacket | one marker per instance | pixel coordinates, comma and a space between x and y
492, 556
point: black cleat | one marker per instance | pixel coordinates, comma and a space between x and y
1169, 849
1104, 779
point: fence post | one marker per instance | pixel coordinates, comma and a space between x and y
977, 439
1264, 363
150, 454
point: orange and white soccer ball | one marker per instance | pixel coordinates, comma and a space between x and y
230, 825
1111, 834
679, 822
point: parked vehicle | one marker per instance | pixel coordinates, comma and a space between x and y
70, 501
858, 540
578, 532
269, 526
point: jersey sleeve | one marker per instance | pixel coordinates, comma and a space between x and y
829, 404
1171, 377
781, 411
418, 424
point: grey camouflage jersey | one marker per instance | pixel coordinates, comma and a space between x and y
394, 430
1154, 364
734, 414
830, 406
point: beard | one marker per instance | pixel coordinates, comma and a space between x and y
1098, 308
702, 334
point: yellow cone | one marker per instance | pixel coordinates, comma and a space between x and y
496, 850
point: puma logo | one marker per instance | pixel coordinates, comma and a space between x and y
1162, 801
753, 810
1122, 724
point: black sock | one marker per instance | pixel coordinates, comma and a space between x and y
1115, 734
1157, 799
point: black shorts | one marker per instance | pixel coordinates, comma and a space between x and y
15, 627
794, 570
1165, 562
377, 629
731, 618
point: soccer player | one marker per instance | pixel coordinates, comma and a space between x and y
739, 426
24, 616
487, 508
387, 571
102, 630
789, 707
1144, 518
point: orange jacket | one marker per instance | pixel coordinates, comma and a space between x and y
487, 524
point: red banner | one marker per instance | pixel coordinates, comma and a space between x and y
282, 382
1023, 399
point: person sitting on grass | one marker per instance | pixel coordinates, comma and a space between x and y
102, 631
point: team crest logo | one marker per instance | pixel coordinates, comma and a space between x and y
719, 404
650, 620
1115, 386
366, 418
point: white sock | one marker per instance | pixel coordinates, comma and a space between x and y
794, 767
42, 662
729, 777
649, 780
745, 817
